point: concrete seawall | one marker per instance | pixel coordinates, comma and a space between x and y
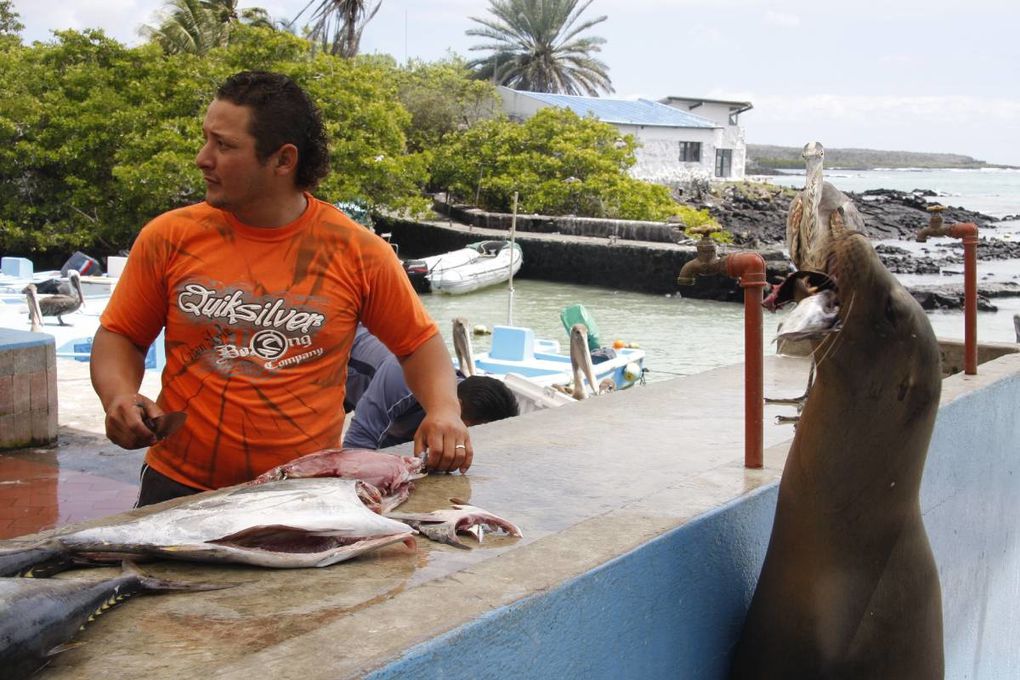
642, 266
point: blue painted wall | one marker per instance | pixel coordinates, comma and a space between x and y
673, 608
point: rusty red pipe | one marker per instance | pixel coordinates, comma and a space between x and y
749, 270
968, 233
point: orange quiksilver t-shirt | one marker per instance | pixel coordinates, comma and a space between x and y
259, 325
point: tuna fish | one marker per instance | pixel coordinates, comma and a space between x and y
284, 524
38, 618
443, 525
392, 475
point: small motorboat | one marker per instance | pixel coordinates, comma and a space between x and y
466, 269
538, 373
517, 350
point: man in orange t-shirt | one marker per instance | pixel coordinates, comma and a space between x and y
260, 289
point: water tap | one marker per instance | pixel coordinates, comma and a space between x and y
706, 261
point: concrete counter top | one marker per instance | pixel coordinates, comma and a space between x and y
586, 483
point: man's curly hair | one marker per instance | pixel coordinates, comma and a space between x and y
282, 113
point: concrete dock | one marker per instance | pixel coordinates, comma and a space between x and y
586, 483
643, 535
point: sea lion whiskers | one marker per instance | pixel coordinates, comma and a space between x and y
828, 346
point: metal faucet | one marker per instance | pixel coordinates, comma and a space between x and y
935, 226
706, 261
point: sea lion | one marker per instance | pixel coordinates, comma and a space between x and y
849, 587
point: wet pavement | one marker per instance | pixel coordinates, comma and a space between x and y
82, 477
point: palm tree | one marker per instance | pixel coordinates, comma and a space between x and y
197, 26
536, 47
337, 24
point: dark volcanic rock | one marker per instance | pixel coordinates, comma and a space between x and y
756, 214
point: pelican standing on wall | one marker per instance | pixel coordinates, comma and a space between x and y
462, 347
58, 305
818, 214
34, 314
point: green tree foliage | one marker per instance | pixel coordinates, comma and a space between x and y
337, 24
96, 138
558, 162
442, 98
536, 46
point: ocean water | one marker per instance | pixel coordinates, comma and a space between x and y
682, 336
990, 191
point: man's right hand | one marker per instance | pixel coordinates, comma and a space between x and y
125, 426
117, 366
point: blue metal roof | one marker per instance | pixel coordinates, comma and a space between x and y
624, 111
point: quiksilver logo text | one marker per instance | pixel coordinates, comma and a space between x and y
198, 300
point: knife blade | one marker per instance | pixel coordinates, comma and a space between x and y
165, 425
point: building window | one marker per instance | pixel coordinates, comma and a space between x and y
690, 152
723, 162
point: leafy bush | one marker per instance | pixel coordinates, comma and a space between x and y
558, 162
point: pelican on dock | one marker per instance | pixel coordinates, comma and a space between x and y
462, 346
34, 313
59, 305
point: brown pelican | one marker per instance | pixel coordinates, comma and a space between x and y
580, 363
462, 346
1016, 326
58, 305
34, 314
818, 214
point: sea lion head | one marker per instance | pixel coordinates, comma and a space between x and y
885, 348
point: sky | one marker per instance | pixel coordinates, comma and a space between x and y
936, 76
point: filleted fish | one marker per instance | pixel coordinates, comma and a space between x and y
283, 524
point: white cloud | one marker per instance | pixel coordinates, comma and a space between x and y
782, 19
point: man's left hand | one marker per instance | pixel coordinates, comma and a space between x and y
446, 439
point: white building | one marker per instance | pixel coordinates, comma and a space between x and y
727, 114
676, 145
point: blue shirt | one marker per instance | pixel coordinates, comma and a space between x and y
386, 412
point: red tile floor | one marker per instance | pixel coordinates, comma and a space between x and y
37, 494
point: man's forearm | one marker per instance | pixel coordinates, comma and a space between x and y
117, 366
429, 373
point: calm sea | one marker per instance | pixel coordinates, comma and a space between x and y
683, 336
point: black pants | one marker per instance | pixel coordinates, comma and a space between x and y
156, 488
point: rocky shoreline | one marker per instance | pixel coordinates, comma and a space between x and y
755, 215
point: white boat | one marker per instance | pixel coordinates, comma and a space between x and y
467, 269
539, 374
516, 350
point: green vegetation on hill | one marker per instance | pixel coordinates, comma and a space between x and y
767, 157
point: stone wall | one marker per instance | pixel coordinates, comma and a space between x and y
641, 266
627, 230
28, 389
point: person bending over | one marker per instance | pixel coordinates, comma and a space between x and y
260, 288
386, 412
